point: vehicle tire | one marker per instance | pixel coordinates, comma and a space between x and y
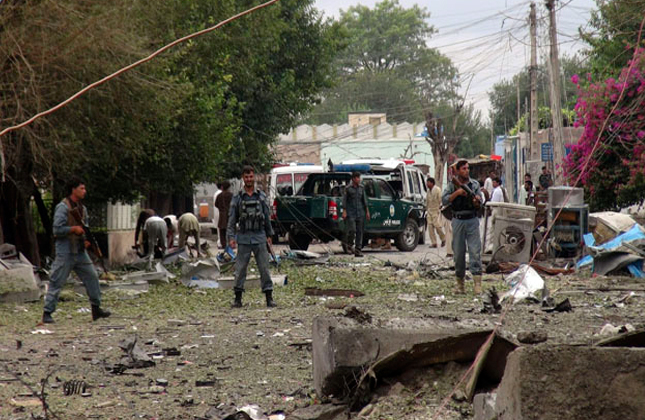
299, 241
408, 239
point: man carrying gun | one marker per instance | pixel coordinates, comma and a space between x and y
463, 194
71, 243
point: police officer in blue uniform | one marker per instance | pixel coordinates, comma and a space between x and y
249, 227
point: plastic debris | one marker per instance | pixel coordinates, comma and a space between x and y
525, 282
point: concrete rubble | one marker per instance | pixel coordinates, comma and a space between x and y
18, 282
554, 382
343, 347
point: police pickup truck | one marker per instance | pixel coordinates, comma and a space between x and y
316, 211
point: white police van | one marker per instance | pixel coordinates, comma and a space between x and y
285, 180
402, 175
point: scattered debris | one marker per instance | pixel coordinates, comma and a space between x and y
525, 282
531, 337
509, 267
18, 282
300, 257
490, 299
135, 358
74, 387
408, 297
609, 330
627, 337
26, 402
623, 251
315, 291
460, 347
358, 314
205, 383
564, 306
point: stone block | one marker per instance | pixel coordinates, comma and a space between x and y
484, 406
344, 348
555, 382
18, 284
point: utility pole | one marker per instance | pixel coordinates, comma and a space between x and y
492, 134
533, 114
555, 87
519, 106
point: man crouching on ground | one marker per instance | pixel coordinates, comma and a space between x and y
70, 253
249, 225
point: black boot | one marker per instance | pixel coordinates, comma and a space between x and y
47, 318
238, 300
97, 313
270, 302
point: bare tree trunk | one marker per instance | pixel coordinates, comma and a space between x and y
443, 144
17, 225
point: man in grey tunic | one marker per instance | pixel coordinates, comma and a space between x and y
71, 243
249, 226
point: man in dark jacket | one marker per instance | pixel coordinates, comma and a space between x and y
354, 212
223, 202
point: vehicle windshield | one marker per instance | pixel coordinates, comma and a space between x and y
283, 184
331, 184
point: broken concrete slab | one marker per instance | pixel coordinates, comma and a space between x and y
628, 339
229, 282
484, 406
18, 283
155, 277
554, 382
315, 291
342, 348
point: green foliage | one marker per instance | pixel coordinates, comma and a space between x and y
544, 120
612, 35
386, 66
475, 135
503, 96
194, 114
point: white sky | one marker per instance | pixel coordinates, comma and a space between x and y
489, 40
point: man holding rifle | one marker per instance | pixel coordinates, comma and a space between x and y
70, 218
463, 194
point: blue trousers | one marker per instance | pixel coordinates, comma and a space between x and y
242, 262
62, 267
465, 236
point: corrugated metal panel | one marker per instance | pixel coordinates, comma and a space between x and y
122, 216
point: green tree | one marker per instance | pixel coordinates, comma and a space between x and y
503, 96
386, 66
189, 116
612, 35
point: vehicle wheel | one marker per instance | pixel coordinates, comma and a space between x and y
299, 241
409, 238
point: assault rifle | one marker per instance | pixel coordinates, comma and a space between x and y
471, 195
89, 236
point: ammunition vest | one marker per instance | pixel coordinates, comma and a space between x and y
251, 217
461, 203
77, 242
